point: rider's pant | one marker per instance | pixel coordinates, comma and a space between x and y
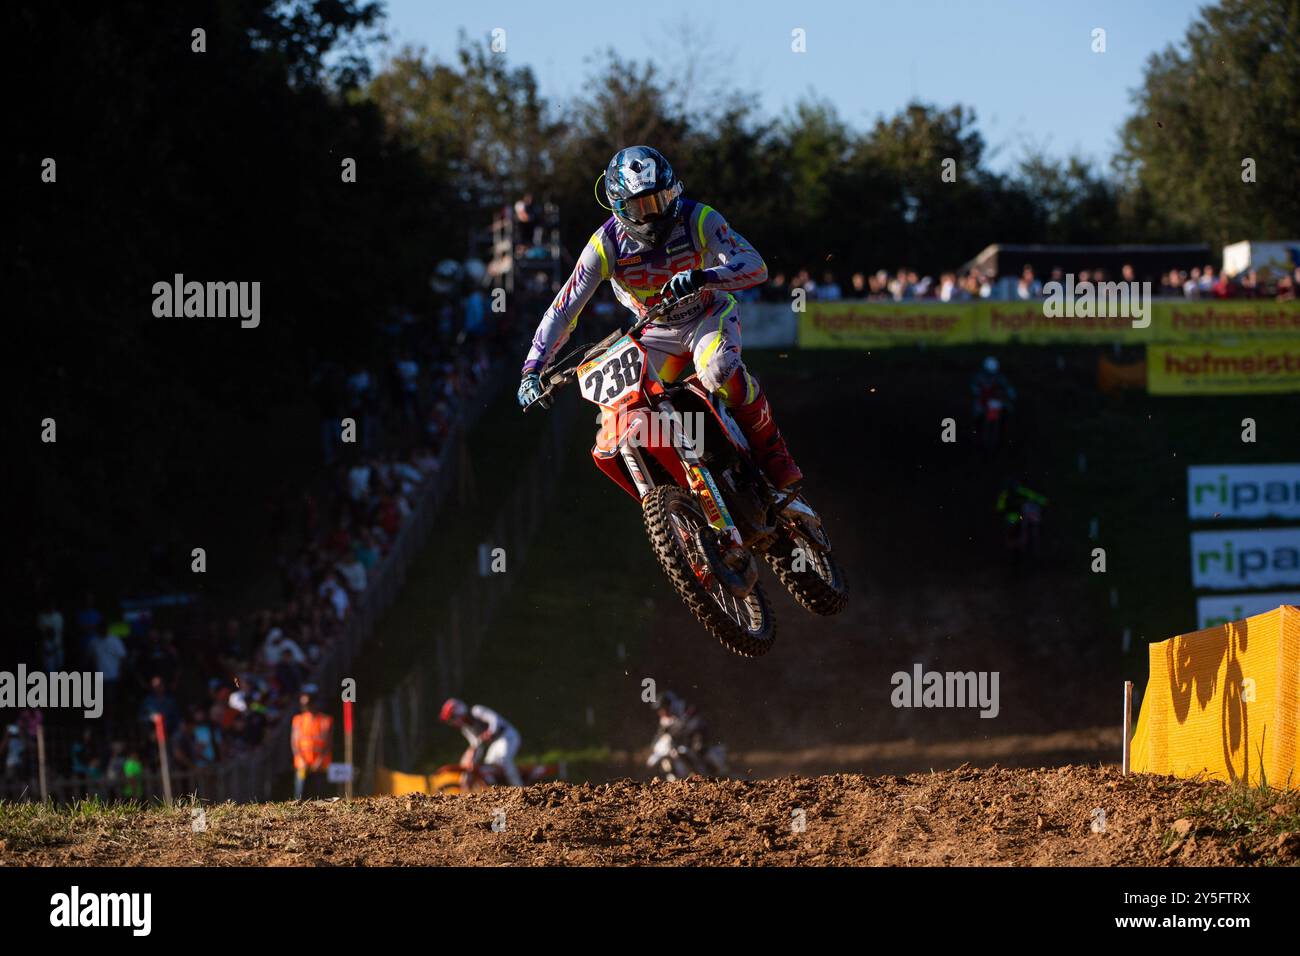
712, 342
501, 753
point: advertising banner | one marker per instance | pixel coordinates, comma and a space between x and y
1266, 367
1222, 608
1243, 491
868, 325
1233, 560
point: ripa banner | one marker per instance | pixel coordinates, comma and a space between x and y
1222, 608
1232, 560
1243, 491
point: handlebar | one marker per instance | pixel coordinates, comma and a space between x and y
566, 376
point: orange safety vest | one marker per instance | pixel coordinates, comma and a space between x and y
313, 741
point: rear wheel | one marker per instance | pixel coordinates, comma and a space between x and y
807, 568
673, 520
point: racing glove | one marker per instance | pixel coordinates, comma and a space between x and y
530, 390
684, 283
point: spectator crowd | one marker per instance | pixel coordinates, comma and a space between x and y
219, 684
1203, 282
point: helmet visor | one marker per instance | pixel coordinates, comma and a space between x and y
647, 207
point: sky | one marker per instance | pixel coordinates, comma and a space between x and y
1027, 67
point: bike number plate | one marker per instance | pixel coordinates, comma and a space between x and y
614, 378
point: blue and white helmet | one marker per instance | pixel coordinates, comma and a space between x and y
644, 193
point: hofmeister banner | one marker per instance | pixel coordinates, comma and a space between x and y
1224, 369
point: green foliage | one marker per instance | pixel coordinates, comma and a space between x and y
1228, 93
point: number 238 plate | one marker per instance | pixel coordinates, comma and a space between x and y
614, 378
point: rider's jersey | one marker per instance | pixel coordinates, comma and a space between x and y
701, 239
484, 722
985, 385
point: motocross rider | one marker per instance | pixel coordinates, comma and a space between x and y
987, 383
483, 727
680, 721
659, 245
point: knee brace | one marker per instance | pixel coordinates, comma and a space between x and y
740, 388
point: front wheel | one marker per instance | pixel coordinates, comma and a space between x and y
672, 520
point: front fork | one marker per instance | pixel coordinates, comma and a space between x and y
701, 482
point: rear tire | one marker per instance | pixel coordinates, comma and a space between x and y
821, 588
744, 626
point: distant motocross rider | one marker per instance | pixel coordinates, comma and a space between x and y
990, 383
493, 738
683, 723
659, 245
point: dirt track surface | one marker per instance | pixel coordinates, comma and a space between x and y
959, 817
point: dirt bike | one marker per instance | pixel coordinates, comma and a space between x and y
707, 506
992, 419
469, 776
1022, 529
677, 761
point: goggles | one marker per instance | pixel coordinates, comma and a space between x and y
647, 207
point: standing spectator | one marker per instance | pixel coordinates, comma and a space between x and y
107, 653
133, 774
775, 289
361, 404
312, 740
829, 290
83, 755
1028, 287
528, 218
949, 290
183, 747
13, 748
288, 675
159, 701
277, 645
88, 623
474, 308
89, 618
206, 738
1205, 287
49, 625
353, 572
336, 594
115, 773
358, 479
407, 371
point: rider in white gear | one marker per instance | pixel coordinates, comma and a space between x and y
483, 727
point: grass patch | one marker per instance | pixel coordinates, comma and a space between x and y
37, 824
1247, 812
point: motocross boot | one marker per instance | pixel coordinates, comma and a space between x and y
756, 422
